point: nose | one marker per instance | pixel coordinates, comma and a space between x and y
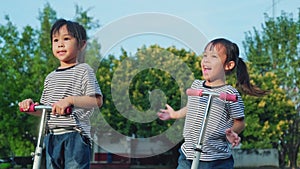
61, 44
205, 59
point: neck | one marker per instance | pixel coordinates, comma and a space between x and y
66, 65
214, 83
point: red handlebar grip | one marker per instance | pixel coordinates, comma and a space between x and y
68, 110
31, 108
228, 97
194, 92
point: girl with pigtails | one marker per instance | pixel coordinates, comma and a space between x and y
226, 119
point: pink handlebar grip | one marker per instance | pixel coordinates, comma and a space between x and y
194, 92
31, 108
68, 110
228, 97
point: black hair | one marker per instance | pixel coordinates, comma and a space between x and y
75, 29
243, 79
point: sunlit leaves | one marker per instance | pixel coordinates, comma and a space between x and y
274, 54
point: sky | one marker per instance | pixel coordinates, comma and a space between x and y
213, 19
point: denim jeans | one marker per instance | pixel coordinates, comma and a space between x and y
66, 151
184, 163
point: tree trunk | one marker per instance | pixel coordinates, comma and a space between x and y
293, 146
282, 154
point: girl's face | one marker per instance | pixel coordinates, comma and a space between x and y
213, 65
65, 47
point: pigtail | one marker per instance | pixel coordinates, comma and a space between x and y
243, 80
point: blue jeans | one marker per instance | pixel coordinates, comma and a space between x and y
67, 151
184, 163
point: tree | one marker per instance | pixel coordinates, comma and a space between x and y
16, 52
133, 84
276, 49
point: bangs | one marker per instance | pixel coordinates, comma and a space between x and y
219, 47
74, 29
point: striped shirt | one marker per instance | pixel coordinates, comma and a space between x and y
220, 117
77, 80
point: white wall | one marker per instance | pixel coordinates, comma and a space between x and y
255, 157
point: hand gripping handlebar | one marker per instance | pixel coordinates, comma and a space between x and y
33, 108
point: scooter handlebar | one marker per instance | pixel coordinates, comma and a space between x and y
223, 95
33, 108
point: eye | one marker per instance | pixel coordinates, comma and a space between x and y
66, 38
55, 40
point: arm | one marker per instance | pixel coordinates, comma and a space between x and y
77, 101
170, 113
85, 101
232, 133
238, 125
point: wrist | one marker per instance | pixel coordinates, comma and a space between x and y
70, 100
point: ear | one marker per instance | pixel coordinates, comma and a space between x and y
83, 45
230, 65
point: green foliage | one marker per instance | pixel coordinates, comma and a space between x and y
138, 86
16, 49
268, 117
85, 20
274, 52
5, 165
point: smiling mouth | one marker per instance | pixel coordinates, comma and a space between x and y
61, 52
206, 69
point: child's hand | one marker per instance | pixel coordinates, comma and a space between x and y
25, 104
59, 108
166, 114
232, 137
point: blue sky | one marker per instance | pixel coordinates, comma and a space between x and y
222, 18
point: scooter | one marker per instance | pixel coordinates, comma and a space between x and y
211, 95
